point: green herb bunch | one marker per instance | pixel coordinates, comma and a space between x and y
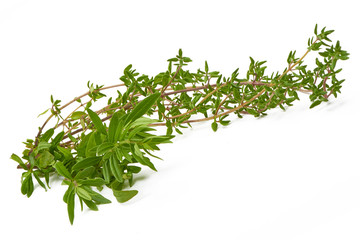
92, 149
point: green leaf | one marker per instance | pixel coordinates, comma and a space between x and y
169, 130
39, 181
87, 172
43, 112
137, 150
71, 205
172, 60
214, 126
61, 169
17, 159
30, 187
93, 182
142, 107
106, 171
99, 199
114, 123
314, 104
83, 194
115, 168
134, 169
58, 138
97, 121
104, 148
77, 115
143, 121
47, 135
91, 205
124, 196
96, 197
145, 161
66, 152
25, 184
42, 146
45, 159
87, 162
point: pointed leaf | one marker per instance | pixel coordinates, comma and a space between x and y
17, 159
142, 107
124, 196
77, 115
91, 205
39, 181
114, 123
93, 182
115, 168
97, 121
87, 172
71, 205
106, 171
61, 169
83, 193
87, 162
103, 148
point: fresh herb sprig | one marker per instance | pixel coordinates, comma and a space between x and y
93, 149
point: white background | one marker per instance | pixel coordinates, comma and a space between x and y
290, 175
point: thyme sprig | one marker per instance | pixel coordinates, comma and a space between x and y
92, 149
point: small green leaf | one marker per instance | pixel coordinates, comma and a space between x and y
58, 138
71, 205
97, 121
66, 152
91, 205
42, 146
25, 184
142, 107
115, 168
169, 130
137, 150
87, 162
172, 60
314, 104
47, 135
87, 172
83, 193
114, 123
106, 171
93, 182
134, 169
77, 115
61, 169
43, 112
17, 159
39, 181
45, 159
214, 126
96, 197
124, 196
30, 186
104, 148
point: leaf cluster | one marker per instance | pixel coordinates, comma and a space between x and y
107, 147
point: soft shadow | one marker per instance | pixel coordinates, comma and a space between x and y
137, 179
334, 105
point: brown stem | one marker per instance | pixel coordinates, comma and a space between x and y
298, 61
167, 85
222, 102
219, 115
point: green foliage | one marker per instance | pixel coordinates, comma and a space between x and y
89, 154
